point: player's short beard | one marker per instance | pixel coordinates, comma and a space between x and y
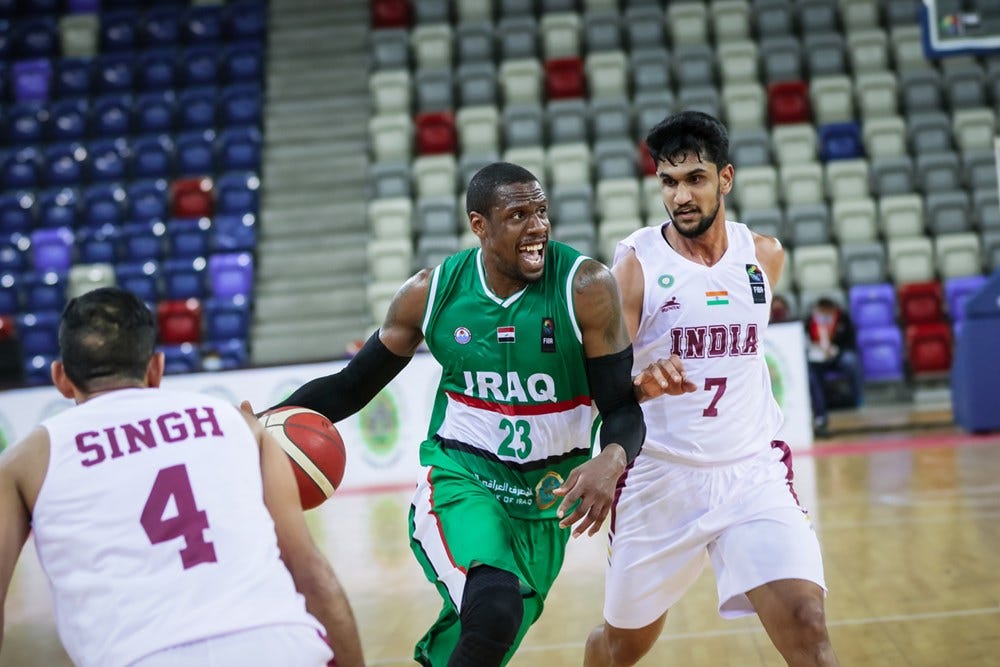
705, 223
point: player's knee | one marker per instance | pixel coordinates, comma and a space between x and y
809, 623
492, 606
626, 648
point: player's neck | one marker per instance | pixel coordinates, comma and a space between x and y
707, 249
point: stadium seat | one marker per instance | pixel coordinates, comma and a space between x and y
84, 278
16, 214
958, 255
847, 178
103, 204
231, 275
517, 36
242, 63
111, 115
68, 119
44, 291
964, 83
119, 30
435, 175
618, 198
154, 112
191, 198
196, 108
97, 245
825, 51
901, 215
64, 164
390, 91
21, 169
802, 183
180, 359
436, 215
767, 221
72, 78
390, 259
203, 24
156, 69
781, 58
643, 27
431, 45
38, 332
31, 80
237, 192
831, 99
476, 84
868, 50
226, 319
816, 267
198, 66
973, 128
142, 278
607, 75
920, 90
152, 156
807, 224
564, 78
610, 118
184, 278
78, 34
884, 137
388, 179
687, 22
390, 13
693, 65
58, 207
560, 35
568, 164
757, 188
241, 104
892, 175
224, 354
875, 94
863, 263
245, 20
160, 26
929, 348
873, 305
25, 124
10, 293
233, 232
958, 290
14, 252
840, 141
113, 73
649, 70
239, 149
52, 249
772, 18
750, 147
188, 237
987, 207
743, 105
194, 153
979, 168
730, 20
610, 232
911, 259
928, 132
435, 133
602, 29
434, 90
179, 321
432, 250
921, 302
948, 212
881, 349
474, 42
146, 199
141, 240
788, 102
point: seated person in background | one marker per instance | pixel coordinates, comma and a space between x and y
832, 347
781, 310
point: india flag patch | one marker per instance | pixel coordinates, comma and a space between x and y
717, 298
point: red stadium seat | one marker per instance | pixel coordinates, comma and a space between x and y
435, 132
921, 303
192, 198
788, 102
391, 14
928, 347
565, 78
179, 321
647, 167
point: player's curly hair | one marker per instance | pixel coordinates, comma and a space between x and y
481, 195
106, 333
689, 132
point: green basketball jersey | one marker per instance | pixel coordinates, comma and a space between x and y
513, 408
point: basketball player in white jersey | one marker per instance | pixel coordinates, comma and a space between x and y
168, 523
710, 482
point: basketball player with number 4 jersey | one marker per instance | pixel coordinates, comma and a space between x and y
711, 483
168, 523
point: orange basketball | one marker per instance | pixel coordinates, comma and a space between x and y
314, 447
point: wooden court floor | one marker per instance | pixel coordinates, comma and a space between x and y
909, 522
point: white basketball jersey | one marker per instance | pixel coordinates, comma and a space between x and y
714, 319
152, 528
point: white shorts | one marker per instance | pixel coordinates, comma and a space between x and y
670, 516
294, 645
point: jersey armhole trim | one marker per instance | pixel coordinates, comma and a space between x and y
570, 306
431, 299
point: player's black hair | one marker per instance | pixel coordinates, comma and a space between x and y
689, 132
106, 333
481, 195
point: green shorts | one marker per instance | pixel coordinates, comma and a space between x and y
457, 523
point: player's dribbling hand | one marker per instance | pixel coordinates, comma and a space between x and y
593, 484
663, 376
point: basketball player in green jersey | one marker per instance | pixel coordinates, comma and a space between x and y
530, 337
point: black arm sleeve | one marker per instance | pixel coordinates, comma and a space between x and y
611, 387
342, 394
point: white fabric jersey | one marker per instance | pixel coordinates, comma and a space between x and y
713, 318
152, 528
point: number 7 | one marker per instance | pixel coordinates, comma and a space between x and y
720, 388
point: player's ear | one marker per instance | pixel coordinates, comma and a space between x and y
726, 178
154, 370
477, 223
61, 381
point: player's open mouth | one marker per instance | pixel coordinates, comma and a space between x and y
687, 213
532, 253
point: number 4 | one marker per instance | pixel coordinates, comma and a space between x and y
719, 384
189, 522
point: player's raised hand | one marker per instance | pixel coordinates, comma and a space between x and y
663, 376
593, 484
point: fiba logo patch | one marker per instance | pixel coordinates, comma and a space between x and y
462, 335
379, 423
544, 490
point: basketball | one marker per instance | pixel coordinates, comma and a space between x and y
315, 448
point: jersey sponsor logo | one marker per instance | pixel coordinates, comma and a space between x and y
670, 304
717, 298
548, 334
666, 280
462, 335
756, 278
490, 385
545, 496
505, 334
720, 340
117, 441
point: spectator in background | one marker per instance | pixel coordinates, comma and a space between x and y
832, 347
781, 310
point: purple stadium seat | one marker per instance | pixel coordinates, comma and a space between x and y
195, 153
160, 26
231, 274
840, 141
16, 214
156, 69
139, 241
52, 249
236, 192
44, 291
38, 332
184, 278
58, 207
36, 37
10, 292
21, 170
141, 278
957, 290
64, 164
14, 252
881, 353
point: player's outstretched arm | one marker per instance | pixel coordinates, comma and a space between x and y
381, 358
597, 304
311, 571
22, 469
